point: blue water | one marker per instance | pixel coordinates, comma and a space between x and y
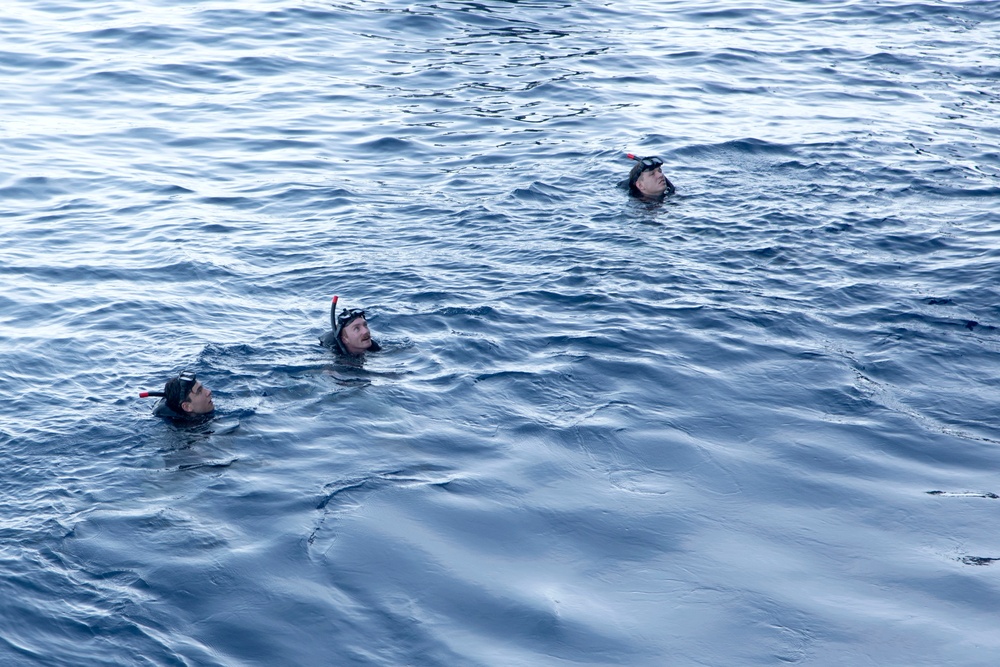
754, 424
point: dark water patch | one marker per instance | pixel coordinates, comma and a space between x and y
261, 66
423, 23
389, 145
86, 274
894, 60
263, 145
977, 560
124, 81
34, 188
743, 16
199, 73
539, 192
934, 13
151, 37
238, 203
13, 61
963, 494
205, 465
986, 192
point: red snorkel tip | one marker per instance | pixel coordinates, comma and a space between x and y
143, 394
630, 156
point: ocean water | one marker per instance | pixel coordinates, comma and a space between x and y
754, 424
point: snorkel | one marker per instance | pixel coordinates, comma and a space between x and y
646, 162
331, 339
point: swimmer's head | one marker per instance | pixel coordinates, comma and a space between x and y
185, 395
647, 179
352, 331
349, 334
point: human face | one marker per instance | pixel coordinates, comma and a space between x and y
199, 400
652, 182
355, 336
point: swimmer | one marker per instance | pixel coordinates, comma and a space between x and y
183, 397
646, 180
350, 335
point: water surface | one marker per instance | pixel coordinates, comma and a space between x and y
753, 424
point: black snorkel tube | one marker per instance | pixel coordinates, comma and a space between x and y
331, 339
